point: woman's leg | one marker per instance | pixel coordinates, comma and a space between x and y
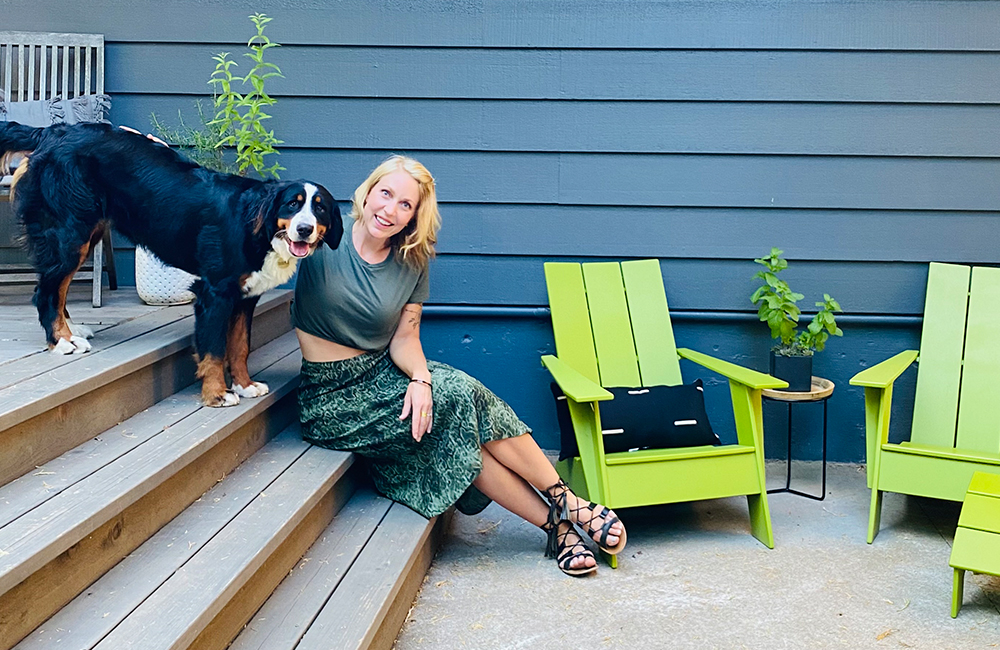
522, 456
509, 490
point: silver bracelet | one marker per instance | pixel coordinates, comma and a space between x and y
421, 381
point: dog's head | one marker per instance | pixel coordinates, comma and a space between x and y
302, 214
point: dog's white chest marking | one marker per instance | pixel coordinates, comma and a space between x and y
276, 271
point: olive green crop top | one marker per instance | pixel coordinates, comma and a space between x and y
342, 298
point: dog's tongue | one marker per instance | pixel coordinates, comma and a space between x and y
298, 248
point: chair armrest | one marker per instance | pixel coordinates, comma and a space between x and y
575, 385
739, 374
882, 375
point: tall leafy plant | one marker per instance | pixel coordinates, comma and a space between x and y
776, 305
239, 117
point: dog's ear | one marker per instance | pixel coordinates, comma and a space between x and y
336, 229
266, 220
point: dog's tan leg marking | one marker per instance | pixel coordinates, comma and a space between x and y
211, 371
66, 341
237, 351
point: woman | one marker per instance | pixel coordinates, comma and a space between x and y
432, 436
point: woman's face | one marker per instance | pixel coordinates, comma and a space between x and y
390, 205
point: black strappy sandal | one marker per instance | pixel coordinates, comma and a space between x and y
556, 495
565, 553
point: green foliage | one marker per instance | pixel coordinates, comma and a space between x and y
776, 306
240, 117
198, 144
238, 120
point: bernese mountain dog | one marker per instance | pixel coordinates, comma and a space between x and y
240, 236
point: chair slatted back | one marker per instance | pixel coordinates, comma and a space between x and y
957, 402
616, 358
37, 65
611, 322
979, 402
570, 318
941, 341
651, 327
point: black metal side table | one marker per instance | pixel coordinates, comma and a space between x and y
821, 391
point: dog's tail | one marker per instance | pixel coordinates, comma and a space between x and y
17, 138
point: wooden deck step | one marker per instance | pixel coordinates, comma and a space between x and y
201, 577
49, 404
75, 518
356, 584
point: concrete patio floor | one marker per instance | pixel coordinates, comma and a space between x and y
693, 577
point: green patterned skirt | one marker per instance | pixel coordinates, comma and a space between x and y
354, 405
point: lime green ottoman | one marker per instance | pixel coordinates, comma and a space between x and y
977, 538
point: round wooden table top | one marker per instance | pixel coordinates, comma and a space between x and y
821, 389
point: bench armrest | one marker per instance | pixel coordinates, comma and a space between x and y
882, 375
739, 374
575, 385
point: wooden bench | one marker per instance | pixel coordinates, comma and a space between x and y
43, 66
977, 538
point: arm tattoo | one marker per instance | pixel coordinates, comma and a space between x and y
413, 317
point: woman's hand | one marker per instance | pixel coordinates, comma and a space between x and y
418, 402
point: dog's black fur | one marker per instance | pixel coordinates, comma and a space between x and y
82, 178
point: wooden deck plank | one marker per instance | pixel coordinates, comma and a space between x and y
35, 539
244, 604
45, 482
173, 616
41, 361
46, 590
59, 380
288, 613
66, 424
93, 614
353, 615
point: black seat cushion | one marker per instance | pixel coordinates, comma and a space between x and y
654, 417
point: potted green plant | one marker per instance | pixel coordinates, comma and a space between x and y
236, 124
791, 358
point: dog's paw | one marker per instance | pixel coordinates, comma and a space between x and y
255, 389
75, 345
228, 398
79, 329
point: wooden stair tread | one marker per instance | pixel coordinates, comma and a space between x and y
93, 614
174, 615
55, 525
45, 482
353, 614
68, 378
286, 616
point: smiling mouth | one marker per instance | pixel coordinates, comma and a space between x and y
382, 222
296, 248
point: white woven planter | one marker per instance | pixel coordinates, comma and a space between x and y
159, 284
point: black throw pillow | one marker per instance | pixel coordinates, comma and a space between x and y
654, 417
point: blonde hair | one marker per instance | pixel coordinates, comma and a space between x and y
415, 243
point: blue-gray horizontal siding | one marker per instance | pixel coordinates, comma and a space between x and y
859, 136
960, 25
590, 75
632, 127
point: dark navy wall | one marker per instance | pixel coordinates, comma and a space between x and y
858, 136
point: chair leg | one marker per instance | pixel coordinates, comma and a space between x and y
875, 512
109, 253
956, 592
760, 519
98, 273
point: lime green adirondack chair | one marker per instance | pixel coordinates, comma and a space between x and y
612, 328
956, 410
